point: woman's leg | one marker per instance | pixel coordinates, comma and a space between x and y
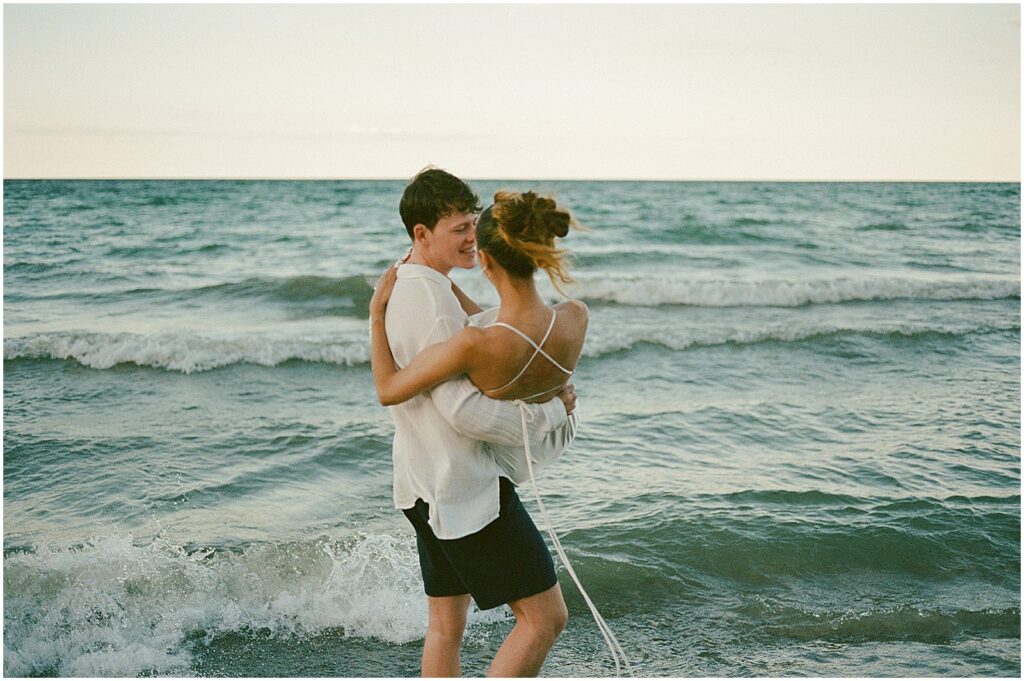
539, 620
446, 620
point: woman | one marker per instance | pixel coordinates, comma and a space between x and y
515, 237
529, 354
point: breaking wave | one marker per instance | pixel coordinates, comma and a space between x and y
111, 607
653, 291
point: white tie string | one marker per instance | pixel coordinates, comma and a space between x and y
606, 631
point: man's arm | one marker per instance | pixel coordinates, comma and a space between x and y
468, 306
513, 459
478, 417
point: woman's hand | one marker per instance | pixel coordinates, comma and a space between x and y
382, 292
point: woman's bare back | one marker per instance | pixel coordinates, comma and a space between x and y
503, 353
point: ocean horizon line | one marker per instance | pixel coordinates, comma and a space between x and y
214, 178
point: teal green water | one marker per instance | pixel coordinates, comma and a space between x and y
800, 453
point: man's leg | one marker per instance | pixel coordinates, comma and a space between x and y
539, 620
446, 620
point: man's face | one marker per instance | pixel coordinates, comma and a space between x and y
453, 242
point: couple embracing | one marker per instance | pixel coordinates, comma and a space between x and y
460, 383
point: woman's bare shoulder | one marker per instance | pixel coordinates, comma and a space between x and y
576, 309
471, 338
475, 344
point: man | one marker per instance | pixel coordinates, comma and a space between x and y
473, 536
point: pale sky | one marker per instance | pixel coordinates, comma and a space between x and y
688, 92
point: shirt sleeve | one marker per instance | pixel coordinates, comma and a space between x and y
480, 418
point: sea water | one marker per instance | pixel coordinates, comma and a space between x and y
800, 452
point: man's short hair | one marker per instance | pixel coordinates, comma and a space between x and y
434, 194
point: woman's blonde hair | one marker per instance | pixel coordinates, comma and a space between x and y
519, 231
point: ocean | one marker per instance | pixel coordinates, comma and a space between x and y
799, 455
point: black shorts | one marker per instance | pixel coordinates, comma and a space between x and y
505, 561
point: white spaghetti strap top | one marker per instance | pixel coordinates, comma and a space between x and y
537, 350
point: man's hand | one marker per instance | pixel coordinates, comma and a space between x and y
568, 397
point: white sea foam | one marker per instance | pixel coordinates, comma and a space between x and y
625, 337
186, 351
655, 287
116, 608
651, 290
189, 352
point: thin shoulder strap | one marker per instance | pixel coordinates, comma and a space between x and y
536, 350
554, 313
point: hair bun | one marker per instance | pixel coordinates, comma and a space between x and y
533, 218
519, 232
558, 223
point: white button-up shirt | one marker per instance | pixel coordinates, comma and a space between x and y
438, 451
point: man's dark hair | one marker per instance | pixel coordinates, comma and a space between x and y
434, 194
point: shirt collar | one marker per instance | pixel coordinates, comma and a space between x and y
411, 270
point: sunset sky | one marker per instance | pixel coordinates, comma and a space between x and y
691, 92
